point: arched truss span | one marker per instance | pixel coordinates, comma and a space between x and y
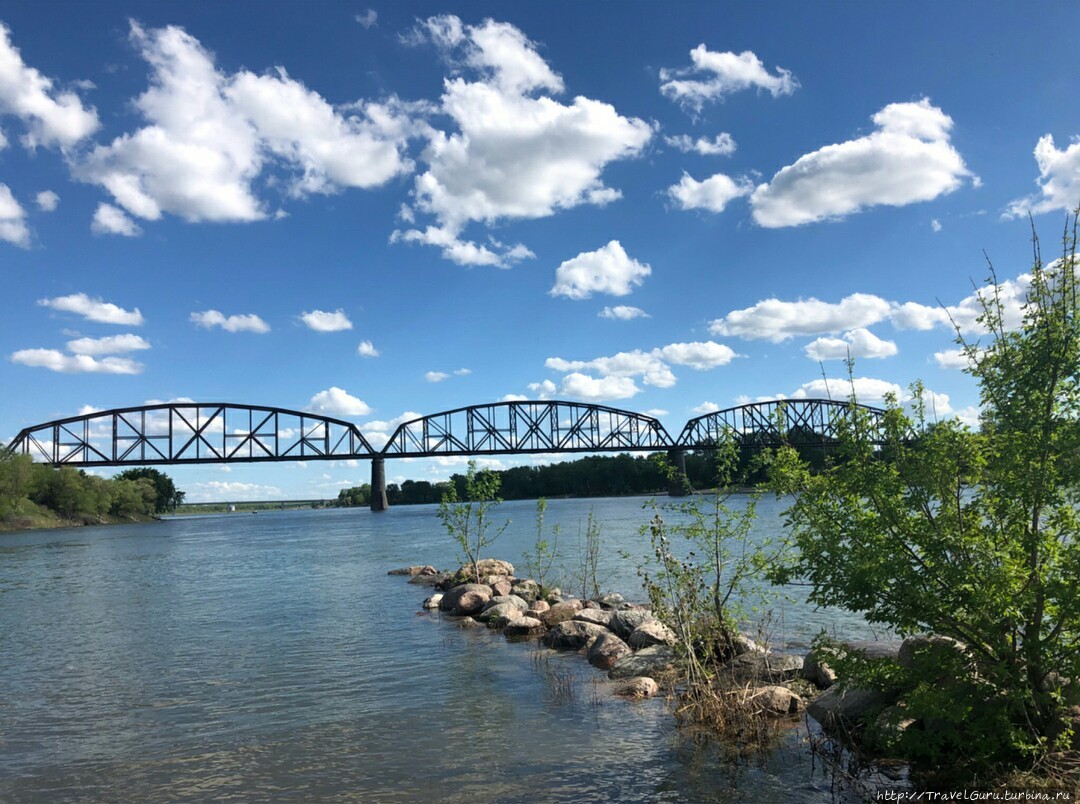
508, 428
798, 422
191, 432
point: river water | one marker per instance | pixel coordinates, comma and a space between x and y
270, 657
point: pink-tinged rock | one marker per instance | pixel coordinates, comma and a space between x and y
637, 687
573, 635
537, 608
501, 587
606, 650
524, 627
561, 612
598, 616
775, 700
468, 598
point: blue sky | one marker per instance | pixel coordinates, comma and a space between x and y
372, 210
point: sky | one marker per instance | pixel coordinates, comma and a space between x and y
383, 211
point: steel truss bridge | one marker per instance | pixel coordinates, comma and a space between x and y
178, 433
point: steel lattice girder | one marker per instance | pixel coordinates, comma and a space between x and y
508, 428
191, 432
797, 422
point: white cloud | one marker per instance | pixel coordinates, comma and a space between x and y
110, 345
52, 118
513, 398
705, 408
866, 389
1059, 180
322, 321
368, 18
209, 136
367, 349
436, 376
1011, 293
858, 343
657, 413
622, 312
233, 323
776, 320
606, 270
591, 389
722, 74
228, 491
378, 432
94, 309
13, 226
935, 224
543, 390
712, 194
55, 360
698, 355
908, 159
969, 416
335, 401
651, 366
517, 152
462, 372
111, 220
723, 144
952, 359
47, 200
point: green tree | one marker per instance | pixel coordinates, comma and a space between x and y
167, 497
539, 560
468, 520
971, 535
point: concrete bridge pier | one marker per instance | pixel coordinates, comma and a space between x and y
378, 484
679, 484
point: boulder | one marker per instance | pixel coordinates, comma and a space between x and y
766, 667
606, 650
887, 729
499, 615
524, 627
817, 671
841, 708
514, 600
928, 649
554, 596
538, 607
561, 612
433, 601
437, 580
646, 662
467, 598
875, 648
469, 622
487, 569
775, 700
598, 616
573, 635
637, 687
650, 632
744, 644
610, 600
525, 588
417, 569
623, 623
501, 587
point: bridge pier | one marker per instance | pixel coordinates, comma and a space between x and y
679, 483
378, 484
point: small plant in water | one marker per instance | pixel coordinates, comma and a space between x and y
539, 560
468, 521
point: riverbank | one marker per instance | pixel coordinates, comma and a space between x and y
42, 518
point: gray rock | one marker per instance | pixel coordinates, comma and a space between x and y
433, 601
525, 588
513, 600
766, 667
817, 671
744, 644
573, 635
637, 687
499, 615
561, 612
840, 708
887, 729
928, 649
418, 569
623, 623
606, 650
650, 632
646, 662
775, 700
501, 587
524, 627
598, 616
610, 600
429, 580
554, 596
537, 608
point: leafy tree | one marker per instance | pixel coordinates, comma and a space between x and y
168, 497
468, 520
971, 535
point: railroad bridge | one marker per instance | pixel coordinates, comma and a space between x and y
179, 433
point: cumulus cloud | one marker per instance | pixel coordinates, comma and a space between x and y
723, 144
701, 356
47, 200
622, 312
378, 432
209, 136
225, 491
52, 117
367, 349
111, 220
935, 224
436, 376
712, 194
776, 320
94, 309
593, 389
607, 270
908, 159
369, 17
111, 345
952, 359
462, 372
55, 360
517, 153
13, 226
234, 323
705, 408
715, 75
335, 401
858, 343
322, 321
1059, 180
865, 389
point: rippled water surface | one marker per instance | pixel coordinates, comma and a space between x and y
270, 657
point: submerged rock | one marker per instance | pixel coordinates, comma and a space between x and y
524, 627
775, 700
433, 601
838, 708
637, 687
646, 662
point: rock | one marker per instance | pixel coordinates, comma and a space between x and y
467, 598
817, 671
637, 687
609, 600
499, 615
838, 707
561, 612
766, 667
501, 587
524, 627
928, 649
525, 588
537, 609
418, 569
487, 569
435, 580
433, 601
888, 728
744, 644
623, 623
646, 662
554, 596
469, 622
875, 648
516, 601
650, 632
573, 635
775, 700
494, 566
606, 650
598, 616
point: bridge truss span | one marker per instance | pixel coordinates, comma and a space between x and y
191, 432
508, 428
796, 422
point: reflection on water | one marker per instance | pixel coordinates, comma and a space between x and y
271, 657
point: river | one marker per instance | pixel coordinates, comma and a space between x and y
268, 656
